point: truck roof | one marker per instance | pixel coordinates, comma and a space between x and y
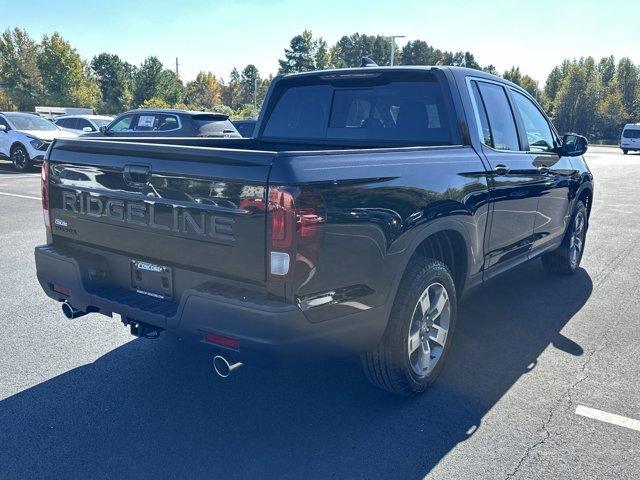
456, 71
176, 111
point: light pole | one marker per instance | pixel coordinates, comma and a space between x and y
393, 46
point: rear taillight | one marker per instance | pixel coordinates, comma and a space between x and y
44, 190
296, 218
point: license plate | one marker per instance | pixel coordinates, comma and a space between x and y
151, 279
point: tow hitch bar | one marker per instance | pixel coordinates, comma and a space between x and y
141, 329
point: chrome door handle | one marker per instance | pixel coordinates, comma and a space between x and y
500, 170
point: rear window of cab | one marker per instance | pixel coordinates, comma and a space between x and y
403, 111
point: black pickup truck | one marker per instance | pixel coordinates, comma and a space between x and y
367, 203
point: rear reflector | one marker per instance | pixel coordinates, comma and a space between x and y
60, 289
222, 341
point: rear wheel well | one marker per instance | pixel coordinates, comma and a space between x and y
449, 247
15, 145
585, 197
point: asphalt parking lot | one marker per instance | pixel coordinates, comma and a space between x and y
83, 399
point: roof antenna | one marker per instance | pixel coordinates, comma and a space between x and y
367, 62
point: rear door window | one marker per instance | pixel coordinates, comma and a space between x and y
406, 112
146, 122
83, 123
67, 123
502, 125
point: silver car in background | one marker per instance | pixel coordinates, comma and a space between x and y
80, 124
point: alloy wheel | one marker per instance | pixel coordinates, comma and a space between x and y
429, 329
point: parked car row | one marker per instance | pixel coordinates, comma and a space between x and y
25, 137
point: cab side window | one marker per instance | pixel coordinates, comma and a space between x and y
539, 135
122, 125
501, 133
83, 123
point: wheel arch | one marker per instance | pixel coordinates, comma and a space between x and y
585, 195
18, 143
446, 240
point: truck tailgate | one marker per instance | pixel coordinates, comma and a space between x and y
197, 208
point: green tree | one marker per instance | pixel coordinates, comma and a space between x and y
114, 79
64, 74
460, 59
249, 81
349, 50
627, 83
321, 57
419, 52
5, 101
19, 74
147, 81
204, 91
607, 70
299, 57
170, 87
611, 116
155, 102
577, 99
525, 81
552, 85
491, 69
231, 91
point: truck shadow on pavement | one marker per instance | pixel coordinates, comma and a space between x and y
153, 409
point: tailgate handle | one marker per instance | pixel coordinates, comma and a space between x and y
136, 175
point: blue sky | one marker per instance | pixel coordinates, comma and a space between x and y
218, 35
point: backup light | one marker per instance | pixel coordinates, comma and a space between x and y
279, 263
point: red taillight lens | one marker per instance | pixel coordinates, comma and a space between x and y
283, 218
296, 220
44, 190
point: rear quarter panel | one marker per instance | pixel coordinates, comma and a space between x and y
379, 206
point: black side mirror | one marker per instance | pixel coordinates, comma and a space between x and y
573, 145
103, 129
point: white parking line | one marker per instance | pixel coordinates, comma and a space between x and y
19, 196
12, 177
608, 417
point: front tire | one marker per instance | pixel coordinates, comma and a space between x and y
565, 260
625, 151
418, 338
20, 158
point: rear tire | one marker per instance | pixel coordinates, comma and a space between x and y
418, 338
565, 260
625, 151
20, 158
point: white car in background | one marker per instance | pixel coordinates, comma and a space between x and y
80, 124
630, 138
25, 137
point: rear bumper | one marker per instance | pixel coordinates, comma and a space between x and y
269, 332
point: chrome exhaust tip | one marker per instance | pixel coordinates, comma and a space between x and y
70, 312
222, 366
